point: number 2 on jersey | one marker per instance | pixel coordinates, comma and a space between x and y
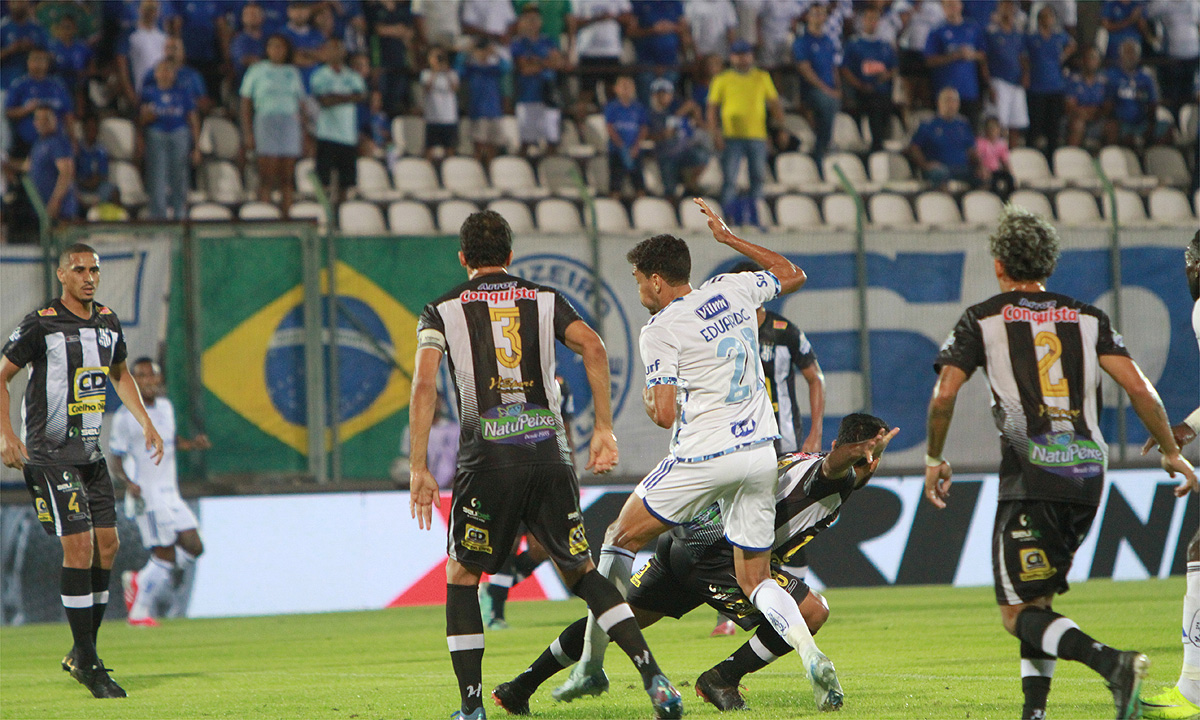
510, 325
1053, 346
745, 373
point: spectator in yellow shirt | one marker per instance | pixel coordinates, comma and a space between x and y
740, 97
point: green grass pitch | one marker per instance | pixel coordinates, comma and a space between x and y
901, 652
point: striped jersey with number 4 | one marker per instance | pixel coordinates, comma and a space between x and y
1041, 352
706, 344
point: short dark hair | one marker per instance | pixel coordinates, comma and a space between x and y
74, 248
664, 255
1025, 244
287, 42
857, 427
485, 239
145, 360
746, 266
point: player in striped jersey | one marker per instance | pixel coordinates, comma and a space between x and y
1042, 352
74, 348
498, 333
694, 564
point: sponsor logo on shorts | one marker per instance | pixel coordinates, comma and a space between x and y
477, 539
578, 540
518, 423
714, 307
1025, 534
1066, 455
1034, 565
473, 510
43, 510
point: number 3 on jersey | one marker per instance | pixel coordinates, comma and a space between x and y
745, 358
509, 320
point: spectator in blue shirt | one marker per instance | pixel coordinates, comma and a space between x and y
393, 23
170, 128
1006, 64
91, 164
187, 78
201, 24
1134, 100
816, 61
681, 154
482, 72
1123, 20
35, 89
658, 29
628, 125
1048, 50
19, 34
1087, 92
250, 45
955, 54
52, 167
72, 58
536, 60
306, 41
943, 148
868, 69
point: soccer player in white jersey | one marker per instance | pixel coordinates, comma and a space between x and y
704, 382
167, 524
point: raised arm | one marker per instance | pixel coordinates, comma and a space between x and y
584, 341
790, 277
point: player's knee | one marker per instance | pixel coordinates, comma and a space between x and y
815, 611
77, 550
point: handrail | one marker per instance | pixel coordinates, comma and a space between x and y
861, 280
45, 238
1114, 262
592, 226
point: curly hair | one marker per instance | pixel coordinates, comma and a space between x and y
485, 239
1025, 244
1192, 251
664, 255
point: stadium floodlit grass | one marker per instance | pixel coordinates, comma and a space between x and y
901, 652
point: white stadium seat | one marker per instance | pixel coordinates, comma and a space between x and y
839, 211
557, 215
129, 181
1121, 166
846, 136
210, 211
1077, 207
938, 208
516, 213
1033, 201
223, 182
464, 177
690, 216
220, 138
116, 135
797, 171
890, 210
852, 167
1169, 205
610, 216
797, 212
557, 174
310, 210
415, 177
409, 217
1130, 208
452, 213
259, 211
373, 181
892, 171
1031, 170
654, 215
1167, 164
356, 217
981, 207
514, 176
305, 167
1076, 167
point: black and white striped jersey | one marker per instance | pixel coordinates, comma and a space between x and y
69, 359
1041, 353
498, 332
784, 349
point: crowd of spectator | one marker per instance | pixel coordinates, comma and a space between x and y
681, 81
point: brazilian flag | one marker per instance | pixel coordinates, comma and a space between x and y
251, 347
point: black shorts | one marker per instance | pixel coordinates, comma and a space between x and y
674, 583
337, 156
71, 499
912, 64
439, 135
1033, 545
491, 505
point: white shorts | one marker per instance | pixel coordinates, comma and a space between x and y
742, 482
162, 518
1011, 109
536, 122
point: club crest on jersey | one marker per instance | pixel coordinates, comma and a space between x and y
104, 311
714, 307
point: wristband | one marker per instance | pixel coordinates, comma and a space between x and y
931, 461
1193, 421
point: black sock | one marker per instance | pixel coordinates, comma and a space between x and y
76, 587
525, 564
1034, 624
1037, 669
761, 650
499, 595
464, 636
100, 579
602, 598
562, 653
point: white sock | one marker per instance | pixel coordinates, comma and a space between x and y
616, 564
780, 610
504, 581
1189, 677
152, 581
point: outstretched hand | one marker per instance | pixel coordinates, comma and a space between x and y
422, 496
720, 230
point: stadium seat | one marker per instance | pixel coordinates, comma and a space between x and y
1189, 124
220, 138
1077, 207
1030, 170
558, 175
1169, 205
890, 210
852, 167
652, 177
1076, 167
938, 208
357, 217
690, 217
896, 141
1167, 164
512, 137
415, 177
846, 136
309, 210
129, 181
892, 172
1130, 208
259, 211
373, 181
766, 218
408, 132
223, 182
557, 215
839, 211
210, 211
799, 127
597, 175
595, 133
797, 212
654, 215
464, 178
711, 179
572, 144
117, 136
797, 171
95, 211
305, 167
610, 216
513, 175
1033, 201
515, 212
452, 213
1121, 166
981, 207
409, 217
